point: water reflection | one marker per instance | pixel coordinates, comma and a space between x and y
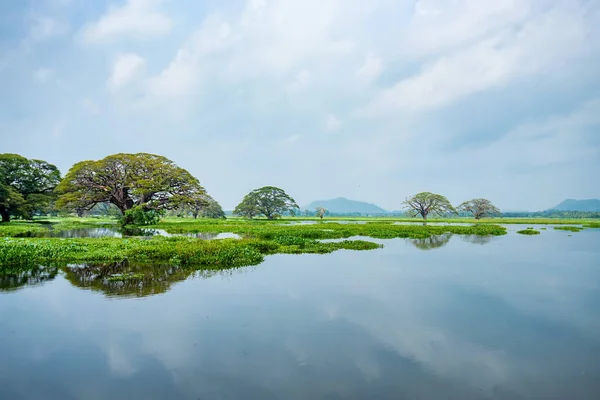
74, 233
18, 278
125, 279
432, 242
476, 239
121, 232
396, 323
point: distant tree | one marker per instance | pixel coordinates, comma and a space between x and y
148, 182
480, 208
26, 186
426, 203
321, 211
269, 201
206, 207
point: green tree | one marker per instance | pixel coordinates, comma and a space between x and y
269, 201
321, 211
149, 182
426, 203
480, 208
26, 186
206, 207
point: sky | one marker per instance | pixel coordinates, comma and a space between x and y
372, 101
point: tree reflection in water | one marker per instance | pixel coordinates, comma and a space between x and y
17, 278
476, 239
432, 242
126, 279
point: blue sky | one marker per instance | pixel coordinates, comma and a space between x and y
369, 100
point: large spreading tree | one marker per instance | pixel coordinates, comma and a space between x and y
426, 203
269, 201
26, 186
480, 208
148, 181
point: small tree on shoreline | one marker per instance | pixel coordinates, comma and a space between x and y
269, 201
480, 208
426, 203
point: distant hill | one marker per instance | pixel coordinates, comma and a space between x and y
342, 205
591, 205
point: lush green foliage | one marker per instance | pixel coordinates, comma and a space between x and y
269, 201
26, 186
127, 180
137, 215
529, 231
479, 208
426, 203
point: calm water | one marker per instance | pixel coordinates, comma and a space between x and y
455, 317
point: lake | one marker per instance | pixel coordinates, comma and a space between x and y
449, 317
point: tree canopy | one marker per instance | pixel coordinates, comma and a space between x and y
207, 207
480, 208
321, 211
149, 181
269, 201
426, 203
26, 186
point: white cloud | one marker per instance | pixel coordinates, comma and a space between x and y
537, 47
333, 123
125, 68
371, 68
43, 75
135, 19
300, 81
179, 78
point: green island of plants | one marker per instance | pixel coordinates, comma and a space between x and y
528, 231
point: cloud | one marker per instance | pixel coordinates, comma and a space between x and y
512, 53
333, 123
125, 68
371, 68
300, 81
137, 19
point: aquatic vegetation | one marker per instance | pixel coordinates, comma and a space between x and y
568, 228
125, 277
592, 225
226, 253
529, 231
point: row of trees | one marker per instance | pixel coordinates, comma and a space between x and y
141, 186
425, 203
144, 186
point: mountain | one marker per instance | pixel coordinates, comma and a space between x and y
592, 205
342, 205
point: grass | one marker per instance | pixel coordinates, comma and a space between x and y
529, 231
179, 251
568, 228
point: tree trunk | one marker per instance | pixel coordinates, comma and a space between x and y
5, 215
